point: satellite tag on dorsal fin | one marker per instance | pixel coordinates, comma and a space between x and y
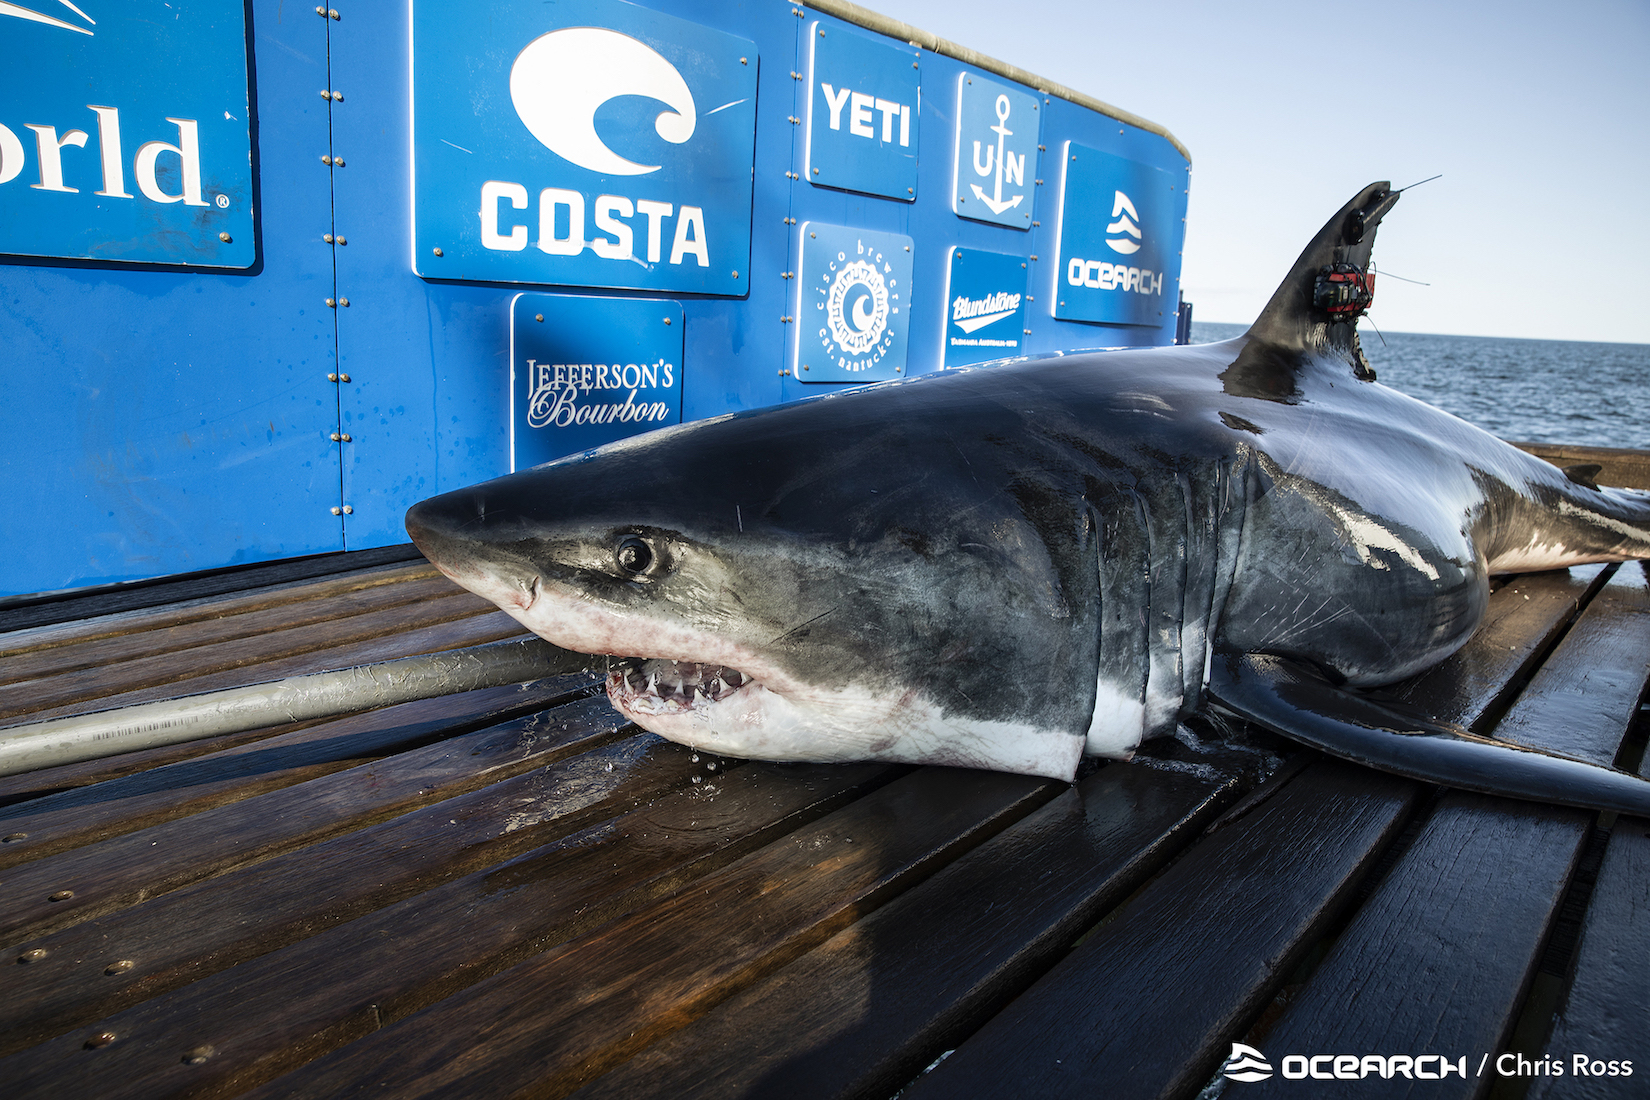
1318, 304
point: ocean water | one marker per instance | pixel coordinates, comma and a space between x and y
1537, 391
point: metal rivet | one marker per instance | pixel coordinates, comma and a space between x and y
332, 303
736, 274
344, 302
61, 895
224, 237
322, 12
816, 171
327, 237
347, 438
539, 317
910, 190
333, 13
804, 366
337, 511
338, 162
336, 438
342, 241
332, 377
325, 94
742, 61
338, 97
326, 158
438, 252
12, 838
101, 1039
343, 378
667, 320
199, 1054
119, 967
348, 511
33, 955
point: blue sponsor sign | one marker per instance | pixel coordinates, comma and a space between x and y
125, 132
1119, 240
587, 371
853, 316
581, 143
862, 113
997, 130
985, 306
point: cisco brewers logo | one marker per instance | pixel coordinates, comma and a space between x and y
856, 303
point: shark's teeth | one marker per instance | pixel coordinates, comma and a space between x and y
674, 684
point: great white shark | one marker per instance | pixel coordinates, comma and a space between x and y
1013, 566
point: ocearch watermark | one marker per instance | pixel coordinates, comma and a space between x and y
1247, 1064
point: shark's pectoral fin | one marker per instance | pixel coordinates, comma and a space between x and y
1299, 704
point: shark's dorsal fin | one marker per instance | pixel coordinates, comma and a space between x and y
1316, 307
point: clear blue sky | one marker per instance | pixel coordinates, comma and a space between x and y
1538, 116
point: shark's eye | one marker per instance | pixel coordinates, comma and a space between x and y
633, 555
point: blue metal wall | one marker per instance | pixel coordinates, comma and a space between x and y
159, 420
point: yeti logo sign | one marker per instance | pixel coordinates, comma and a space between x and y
124, 133
614, 147
1121, 224
852, 317
862, 113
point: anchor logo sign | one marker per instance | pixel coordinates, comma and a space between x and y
1007, 164
999, 124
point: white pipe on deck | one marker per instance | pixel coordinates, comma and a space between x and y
78, 737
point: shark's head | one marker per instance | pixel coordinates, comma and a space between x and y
832, 580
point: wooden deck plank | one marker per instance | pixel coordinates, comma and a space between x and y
183, 612
456, 634
1145, 1003
104, 601
1525, 618
1606, 1012
178, 668
115, 873
199, 930
1439, 959
280, 1010
555, 1021
1589, 689
71, 818
862, 1014
317, 613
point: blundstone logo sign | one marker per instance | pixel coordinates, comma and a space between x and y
985, 306
621, 156
124, 134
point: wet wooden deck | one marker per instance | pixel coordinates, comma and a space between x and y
511, 892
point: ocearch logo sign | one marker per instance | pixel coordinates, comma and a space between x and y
100, 161
612, 167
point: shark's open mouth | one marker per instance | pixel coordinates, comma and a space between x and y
664, 687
